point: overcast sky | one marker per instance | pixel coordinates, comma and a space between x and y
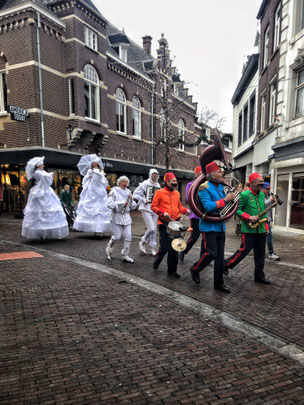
208, 40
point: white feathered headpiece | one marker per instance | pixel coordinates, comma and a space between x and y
32, 164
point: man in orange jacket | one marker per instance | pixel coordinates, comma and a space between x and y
167, 205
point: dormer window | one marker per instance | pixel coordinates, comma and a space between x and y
90, 38
122, 52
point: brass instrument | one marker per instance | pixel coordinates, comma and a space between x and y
254, 225
126, 204
233, 203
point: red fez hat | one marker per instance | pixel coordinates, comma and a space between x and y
198, 169
211, 167
169, 176
253, 177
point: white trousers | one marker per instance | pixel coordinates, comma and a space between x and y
151, 223
121, 230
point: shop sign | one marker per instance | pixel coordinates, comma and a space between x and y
18, 113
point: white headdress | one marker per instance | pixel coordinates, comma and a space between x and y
85, 163
32, 164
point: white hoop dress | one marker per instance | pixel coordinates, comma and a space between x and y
43, 215
93, 215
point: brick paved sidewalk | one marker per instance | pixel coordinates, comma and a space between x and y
278, 308
73, 335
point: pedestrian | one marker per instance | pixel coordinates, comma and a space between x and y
92, 212
143, 195
66, 198
121, 203
194, 219
43, 215
251, 204
268, 201
167, 205
212, 196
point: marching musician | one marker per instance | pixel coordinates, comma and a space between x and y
144, 195
121, 203
194, 219
213, 198
167, 205
251, 204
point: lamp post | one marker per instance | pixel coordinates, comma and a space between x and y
70, 130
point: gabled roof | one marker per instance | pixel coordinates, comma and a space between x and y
249, 72
6, 4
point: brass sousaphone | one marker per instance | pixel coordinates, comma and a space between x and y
213, 152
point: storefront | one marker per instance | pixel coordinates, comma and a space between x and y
288, 170
13, 183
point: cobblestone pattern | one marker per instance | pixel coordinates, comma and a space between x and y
278, 308
72, 335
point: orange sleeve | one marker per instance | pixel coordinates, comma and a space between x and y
155, 205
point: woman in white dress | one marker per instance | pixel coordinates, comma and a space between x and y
93, 215
43, 215
144, 194
121, 203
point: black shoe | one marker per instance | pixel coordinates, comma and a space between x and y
181, 256
262, 280
176, 275
222, 288
195, 275
155, 266
226, 271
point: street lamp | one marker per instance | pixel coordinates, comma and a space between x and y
70, 130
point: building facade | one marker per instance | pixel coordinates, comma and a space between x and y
71, 83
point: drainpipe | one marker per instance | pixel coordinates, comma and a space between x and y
40, 81
152, 125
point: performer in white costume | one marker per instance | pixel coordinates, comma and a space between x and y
121, 202
144, 195
43, 215
93, 214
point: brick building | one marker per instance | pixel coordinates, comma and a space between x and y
71, 83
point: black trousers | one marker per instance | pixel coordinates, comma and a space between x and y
255, 241
164, 248
213, 244
194, 234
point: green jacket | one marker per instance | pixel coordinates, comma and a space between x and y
251, 204
66, 198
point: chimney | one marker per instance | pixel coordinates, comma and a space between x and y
147, 42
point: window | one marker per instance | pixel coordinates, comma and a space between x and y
266, 48
300, 94
121, 111
277, 28
240, 130
299, 13
136, 117
181, 134
90, 39
91, 92
245, 123
71, 96
3, 93
252, 115
122, 52
263, 114
272, 103
162, 123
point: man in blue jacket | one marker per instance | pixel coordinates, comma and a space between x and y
213, 198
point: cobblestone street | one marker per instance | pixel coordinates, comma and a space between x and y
76, 332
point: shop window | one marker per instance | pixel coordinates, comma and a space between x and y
297, 201
91, 92
282, 190
121, 111
3, 93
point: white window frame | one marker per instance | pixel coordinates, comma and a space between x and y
123, 53
299, 92
92, 81
91, 38
2, 95
136, 117
266, 48
263, 113
71, 84
121, 111
272, 103
181, 134
277, 28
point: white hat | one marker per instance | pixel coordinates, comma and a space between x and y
32, 164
